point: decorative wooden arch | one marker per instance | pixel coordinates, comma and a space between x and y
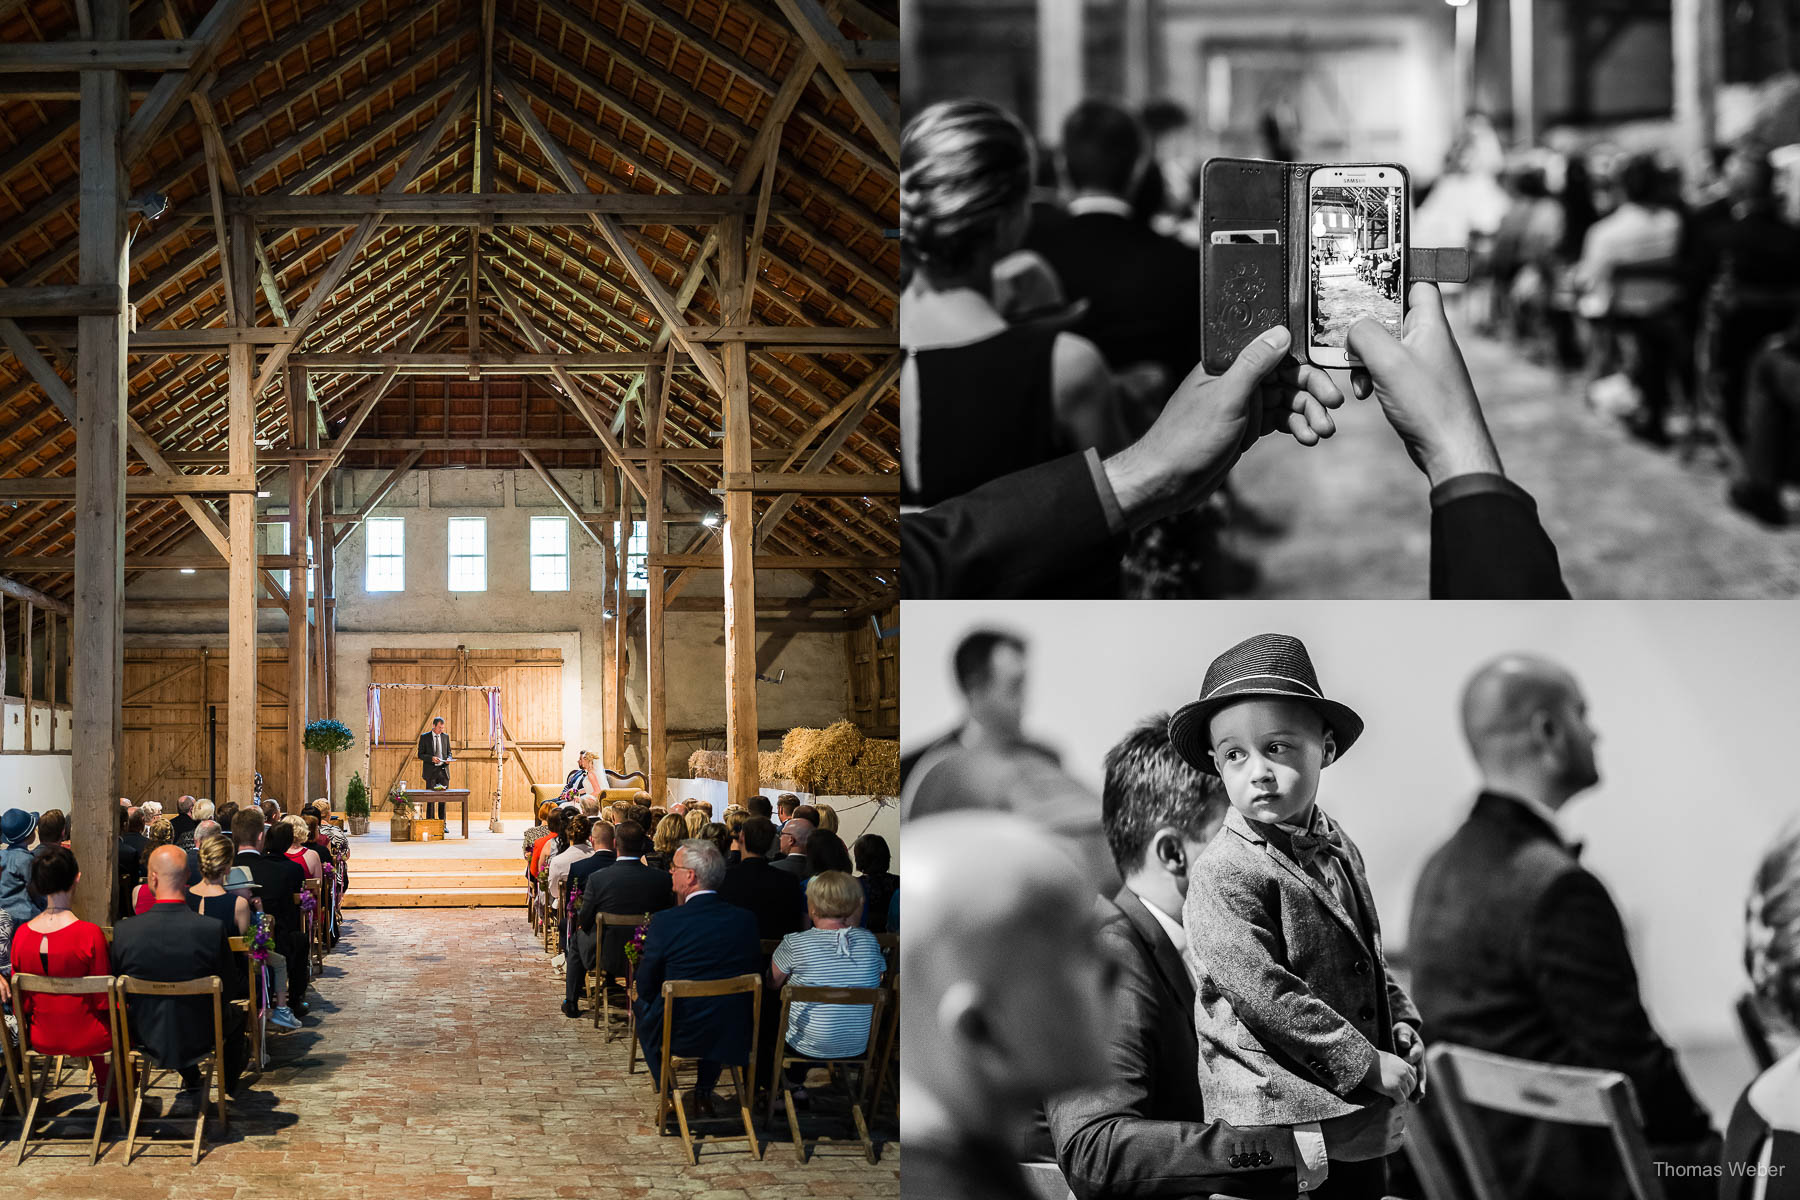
496, 730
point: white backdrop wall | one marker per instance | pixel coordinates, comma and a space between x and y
1695, 703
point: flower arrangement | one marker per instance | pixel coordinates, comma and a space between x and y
309, 903
262, 938
327, 737
634, 949
397, 801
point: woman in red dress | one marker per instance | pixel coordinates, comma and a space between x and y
59, 944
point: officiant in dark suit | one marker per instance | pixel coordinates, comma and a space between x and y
434, 757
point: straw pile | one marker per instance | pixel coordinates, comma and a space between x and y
839, 761
708, 764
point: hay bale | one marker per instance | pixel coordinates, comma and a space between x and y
815, 757
877, 771
708, 764
771, 765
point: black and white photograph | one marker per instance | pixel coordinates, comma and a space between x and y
1488, 901
1607, 406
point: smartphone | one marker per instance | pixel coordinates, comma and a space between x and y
1356, 254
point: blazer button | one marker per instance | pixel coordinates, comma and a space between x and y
1360, 966
1266, 1158
1237, 1160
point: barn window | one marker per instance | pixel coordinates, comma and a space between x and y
384, 563
549, 554
468, 554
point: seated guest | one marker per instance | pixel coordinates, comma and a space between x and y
169, 943
1144, 1132
1008, 999
131, 852
16, 829
759, 805
302, 855
828, 818
161, 833
734, 821
335, 837
212, 896
53, 828
719, 836
1771, 450
1765, 1124
795, 832
702, 938
316, 840
56, 943
540, 829
553, 828
775, 898
578, 829
603, 842
835, 952
807, 812
669, 833
695, 819
878, 884
785, 804
202, 831
1519, 950
262, 853
184, 822
629, 887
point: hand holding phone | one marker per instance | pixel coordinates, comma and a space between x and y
1424, 389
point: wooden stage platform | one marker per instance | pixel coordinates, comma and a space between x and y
485, 871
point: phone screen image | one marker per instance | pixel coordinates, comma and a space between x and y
1354, 252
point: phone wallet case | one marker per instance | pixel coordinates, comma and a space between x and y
1247, 288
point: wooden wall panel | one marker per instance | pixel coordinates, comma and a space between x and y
166, 730
875, 678
530, 704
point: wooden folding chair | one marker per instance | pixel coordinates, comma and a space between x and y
890, 1049
9, 1060
561, 933
315, 925
143, 1071
1427, 1146
668, 1095
875, 999
85, 985
599, 987
1466, 1079
547, 927
255, 1006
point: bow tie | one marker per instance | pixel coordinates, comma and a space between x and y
1309, 846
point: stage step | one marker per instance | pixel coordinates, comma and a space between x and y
427, 865
434, 897
417, 877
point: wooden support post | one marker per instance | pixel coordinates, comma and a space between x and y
240, 435
299, 423
100, 393
25, 657
656, 675
739, 536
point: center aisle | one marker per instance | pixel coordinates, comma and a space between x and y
436, 1063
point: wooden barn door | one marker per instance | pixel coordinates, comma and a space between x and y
530, 683
169, 732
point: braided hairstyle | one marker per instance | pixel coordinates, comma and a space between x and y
1772, 928
965, 171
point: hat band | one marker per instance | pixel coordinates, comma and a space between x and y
1306, 687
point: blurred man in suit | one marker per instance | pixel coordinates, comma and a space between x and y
704, 938
776, 898
1144, 1132
170, 943
1142, 289
1519, 950
629, 887
992, 673
796, 831
182, 824
280, 880
603, 841
1006, 999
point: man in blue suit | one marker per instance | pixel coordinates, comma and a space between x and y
703, 937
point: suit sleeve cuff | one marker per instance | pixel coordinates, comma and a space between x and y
1109, 500
1478, 483
1310, 1165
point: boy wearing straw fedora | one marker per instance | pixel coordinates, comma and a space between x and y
1300, 1022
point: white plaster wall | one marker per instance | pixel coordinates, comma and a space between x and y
36, 781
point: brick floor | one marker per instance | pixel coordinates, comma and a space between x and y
1629, 521
435, 1062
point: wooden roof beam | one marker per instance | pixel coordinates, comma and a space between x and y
858, 86
165, 99
138, 54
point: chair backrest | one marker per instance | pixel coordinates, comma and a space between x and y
631, 919
1468, 1078
874, 998
689, 989
25, 983
769, 945
208, 985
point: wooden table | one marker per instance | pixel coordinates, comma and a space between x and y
448, 796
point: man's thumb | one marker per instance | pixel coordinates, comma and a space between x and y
1258, 359
1370, 341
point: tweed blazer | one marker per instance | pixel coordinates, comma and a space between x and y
1295, 998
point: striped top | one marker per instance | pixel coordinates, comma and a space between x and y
830, 958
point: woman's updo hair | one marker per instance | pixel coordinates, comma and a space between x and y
160, 833
53, 870
965, 167
216, 855
1772, 928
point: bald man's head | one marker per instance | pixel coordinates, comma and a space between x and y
1011, 984
1525, 719
167, 872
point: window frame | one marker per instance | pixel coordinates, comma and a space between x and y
370, 556
451, 557
532, 555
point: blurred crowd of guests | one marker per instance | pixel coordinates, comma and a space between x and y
1681, 307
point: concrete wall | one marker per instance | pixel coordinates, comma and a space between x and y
509, 614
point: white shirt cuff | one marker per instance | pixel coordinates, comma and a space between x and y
1309, 1156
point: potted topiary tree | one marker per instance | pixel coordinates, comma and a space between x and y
327, 738
356, 804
